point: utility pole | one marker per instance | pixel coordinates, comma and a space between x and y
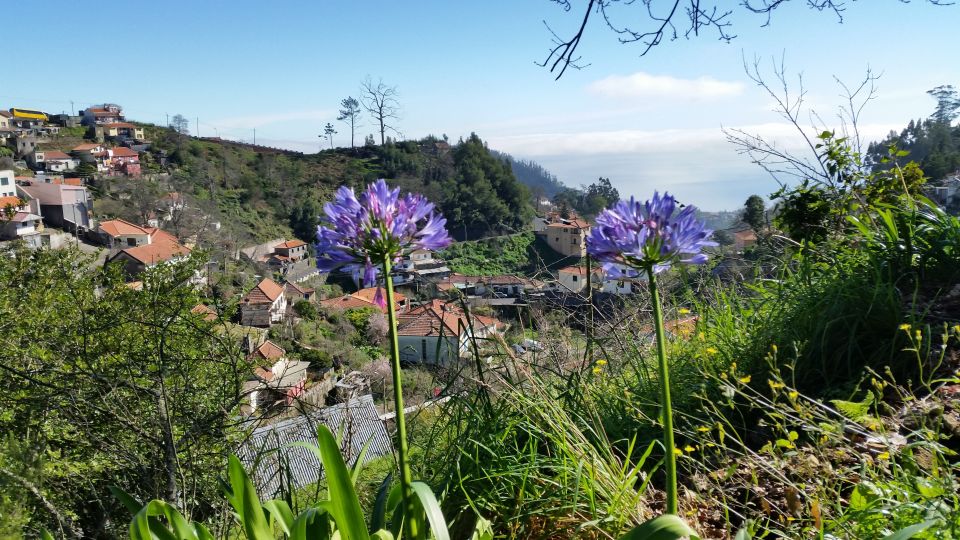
71, 108
254, 136
198, 127
168, 119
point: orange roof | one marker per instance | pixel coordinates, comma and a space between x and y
84, 147
207, 312
160, 235
290, 244
73, 181
122, 151
119, 227
54, 155
368, 294
120, 125
579, 270
298, 289
264, 293
436, 318
150, 254
268, 351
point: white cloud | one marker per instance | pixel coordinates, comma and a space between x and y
644, 85
645, 141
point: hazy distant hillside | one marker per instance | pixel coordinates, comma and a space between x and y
533, 175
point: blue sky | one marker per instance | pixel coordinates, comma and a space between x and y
647, 123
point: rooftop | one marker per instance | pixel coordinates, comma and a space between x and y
264, 293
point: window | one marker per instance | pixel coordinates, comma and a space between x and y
574, 279
423, 349
557, 239
4, 181
131, 241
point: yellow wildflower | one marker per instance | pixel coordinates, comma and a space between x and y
745, 380
905, 327
774, 348
712, 350
775, 385
597, 371
794, 394
678, 451
601, 362
683, 311
689, 449
883, 456
703, 429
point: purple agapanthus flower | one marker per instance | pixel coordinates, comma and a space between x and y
362, 232
631, 236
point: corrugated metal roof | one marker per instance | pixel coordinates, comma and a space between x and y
268, 452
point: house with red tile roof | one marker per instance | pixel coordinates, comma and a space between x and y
440, 332
264, 305
277, 380
54, 161
17, 221
108, 113
363, 299
122, 160
207, 312
161, 250
122, 130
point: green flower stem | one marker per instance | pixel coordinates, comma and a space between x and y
411, 523
666, 410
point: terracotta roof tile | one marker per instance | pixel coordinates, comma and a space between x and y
268, 350
264, 293
54, 155
10, 201
206, 311
150, 254
119, 227
122, 151
290, 244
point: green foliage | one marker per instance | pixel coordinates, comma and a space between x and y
105, 384
588, 200
306, 309
754, 210
512, 254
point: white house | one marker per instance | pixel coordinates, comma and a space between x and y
439, 333
8, 184
264, 305
17, 221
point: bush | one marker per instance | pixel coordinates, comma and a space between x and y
306, 310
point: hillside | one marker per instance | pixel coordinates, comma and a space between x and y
259, 193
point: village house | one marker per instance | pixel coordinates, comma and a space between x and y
574, 279
27, 119
118, 233
54, 161
277, 379
108, 113
121, 160
440, 333
364, 299
292, 251
124, 131
568, 237
159, 247
17, 222
264, 305
93, 154
5, 120
207, 313
62, 206
296, 293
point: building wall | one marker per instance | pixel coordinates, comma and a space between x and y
568, 240
416, 349
8, 184
573, 282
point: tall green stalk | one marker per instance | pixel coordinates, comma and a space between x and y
666, 410
411, 523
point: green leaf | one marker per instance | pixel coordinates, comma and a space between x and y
247, 504
378, 519
483, 530
430, 507
280, 513
909, 532
311, 524
358, 464
665, 527
132, 504
344, 505
744, 532
45, 535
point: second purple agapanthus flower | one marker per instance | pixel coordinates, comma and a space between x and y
362, 232
631, 236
